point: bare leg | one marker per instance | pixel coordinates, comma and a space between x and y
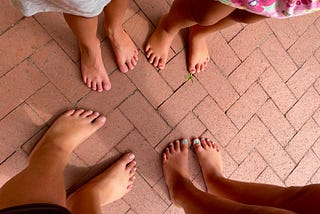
124, 49
94, 74
184, 194
107, 187
183, 13
198, 50
297, 199
43, 179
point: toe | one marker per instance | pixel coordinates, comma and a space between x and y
69, 112
129, 64
86, 113
133, 61
99, 121
106, 85
197, 68
99, 87
147, 49
133, 171
89, 83
148, 53
162, 64
123, 68
164, 156
203, 143
177, 145
131, 165
151, 59
127, 158
171, 147
184, 144
156, 61
78, 112
196, 144
94, 86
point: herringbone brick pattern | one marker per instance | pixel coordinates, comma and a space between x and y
259, 100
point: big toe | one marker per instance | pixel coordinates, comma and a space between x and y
127, 159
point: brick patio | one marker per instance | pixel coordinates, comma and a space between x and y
259, 100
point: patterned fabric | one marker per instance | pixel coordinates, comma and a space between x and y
276, 8
86, 8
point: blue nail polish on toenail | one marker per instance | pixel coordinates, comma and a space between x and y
196, 141
185, 141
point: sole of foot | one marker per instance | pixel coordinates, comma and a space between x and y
175, 166
68, 131
158, 45
93, 71
210, 160
109, 186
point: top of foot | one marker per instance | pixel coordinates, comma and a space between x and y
94, 73
209, 158
175, 164
124, 49
71, 129
158, 46
110, 185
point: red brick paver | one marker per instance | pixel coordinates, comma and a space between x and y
259, 100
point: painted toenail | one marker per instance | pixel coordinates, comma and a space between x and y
185, 141
131, 156
196, 141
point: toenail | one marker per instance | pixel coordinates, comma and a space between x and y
196, 141
185, 141
131, 156
170, 144
202, 138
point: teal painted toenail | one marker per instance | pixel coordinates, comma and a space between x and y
196, 141
185, 141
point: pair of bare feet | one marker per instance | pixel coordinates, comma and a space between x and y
66, 133
94, 73
175, 163
158, 46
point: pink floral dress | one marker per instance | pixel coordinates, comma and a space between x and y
276, 8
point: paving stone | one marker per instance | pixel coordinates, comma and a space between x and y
316, 148
307, 167
75, 169
216, 121
18, 84
279, 58
223, 56
218, 87
269, 177
28, 146
116, 207
20, 42
9, 16
275, 156
276, 122
145, 77
304, 108
249, 71
153, 10
245, 141
148, 160
304, 77
316, 177
301, 24
247, 105
145, 118
182, 102
301, 143
230, 32
277, 90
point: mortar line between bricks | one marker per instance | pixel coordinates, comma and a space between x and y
12, 25
2, 162
310, 180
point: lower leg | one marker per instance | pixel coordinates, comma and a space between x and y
297, 199
93, 71
198, 50
43, 179
184, 194
124, 49
107, 187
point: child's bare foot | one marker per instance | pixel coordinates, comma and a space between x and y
175, 165
68, 131
125, 51
111, 185
158, 46
209, 158
94, 74
198, 51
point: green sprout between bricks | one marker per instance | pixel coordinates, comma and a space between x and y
189, 77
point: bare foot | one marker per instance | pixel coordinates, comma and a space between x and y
198, 51
125, 51
109, 186
175, 165
68, 131
94, 74
158, 46
209, 158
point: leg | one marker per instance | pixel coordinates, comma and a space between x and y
124, 49
184, 194
198, 50
107, 187
297, 199
183, 13
94, 74
43, 179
